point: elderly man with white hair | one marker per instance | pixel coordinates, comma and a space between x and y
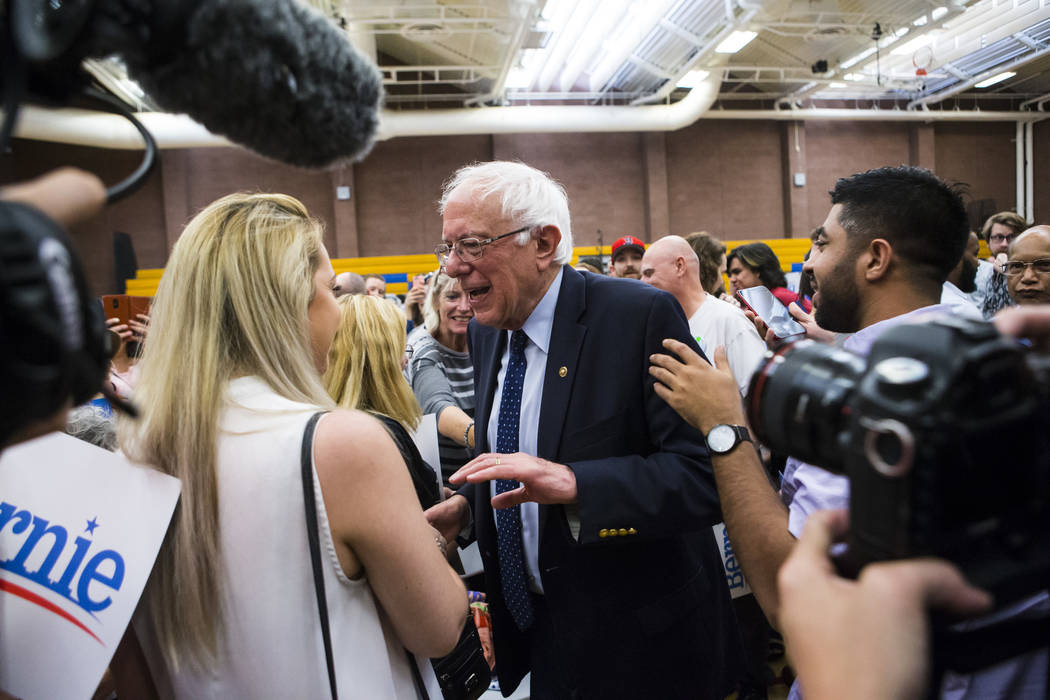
591, 501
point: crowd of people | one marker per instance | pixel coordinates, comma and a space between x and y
591, 432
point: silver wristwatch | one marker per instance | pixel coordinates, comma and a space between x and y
723, 438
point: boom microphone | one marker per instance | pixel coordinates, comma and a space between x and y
274, 76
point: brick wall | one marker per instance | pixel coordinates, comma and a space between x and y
732, 178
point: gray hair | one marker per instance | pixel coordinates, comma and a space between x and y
349, 283
528, 197
91, 424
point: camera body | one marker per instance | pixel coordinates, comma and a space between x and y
944, 433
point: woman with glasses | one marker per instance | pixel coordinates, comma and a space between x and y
998, 231
230, 377
365, 373
441, 373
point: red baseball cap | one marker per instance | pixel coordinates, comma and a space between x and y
625, 243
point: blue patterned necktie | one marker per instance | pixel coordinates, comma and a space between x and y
508, 520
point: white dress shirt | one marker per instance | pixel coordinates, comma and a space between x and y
538, 329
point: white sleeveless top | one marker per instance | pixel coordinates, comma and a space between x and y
273, 631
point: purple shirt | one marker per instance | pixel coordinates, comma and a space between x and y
806, 488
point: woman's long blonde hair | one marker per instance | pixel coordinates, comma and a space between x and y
364, 363
233, 301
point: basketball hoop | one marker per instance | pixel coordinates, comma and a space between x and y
922, 59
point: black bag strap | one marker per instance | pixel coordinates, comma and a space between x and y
315, 542
417, 677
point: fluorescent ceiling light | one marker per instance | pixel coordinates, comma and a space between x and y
855, 77
522, 75
837, 85
995, 79
901, 32
563, 41
735, 41
858, 58
588, 43
556, 10
938, 13
693, 78
637, 22
921, 21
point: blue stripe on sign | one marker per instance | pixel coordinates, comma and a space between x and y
396, 277
796, 267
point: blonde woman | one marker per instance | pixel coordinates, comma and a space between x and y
441, 371
364, 373
241, 327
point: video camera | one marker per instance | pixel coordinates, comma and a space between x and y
944, 434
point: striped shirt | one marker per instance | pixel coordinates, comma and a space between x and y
442, 377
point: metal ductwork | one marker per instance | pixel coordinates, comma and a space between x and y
86, 128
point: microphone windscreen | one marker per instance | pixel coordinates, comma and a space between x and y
272, 75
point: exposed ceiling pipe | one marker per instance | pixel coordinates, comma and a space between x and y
86, 128
967, 84
81, 127
552, 119
1038, 102
875, 115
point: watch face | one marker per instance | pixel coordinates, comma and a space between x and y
721, 438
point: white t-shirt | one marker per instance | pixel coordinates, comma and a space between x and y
961, 303
716, 323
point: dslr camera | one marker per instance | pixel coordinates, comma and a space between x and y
944, 433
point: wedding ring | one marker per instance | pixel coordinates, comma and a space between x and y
497, 461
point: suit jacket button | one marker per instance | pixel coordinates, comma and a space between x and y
623, 531
603, 532
632, 531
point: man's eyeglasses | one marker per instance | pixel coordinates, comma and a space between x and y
1001, 237
468, 249
1013, 268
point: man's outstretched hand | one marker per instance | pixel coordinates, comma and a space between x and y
541, 481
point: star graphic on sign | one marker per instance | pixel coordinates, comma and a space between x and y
91, 525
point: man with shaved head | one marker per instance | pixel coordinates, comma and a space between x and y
1027, 268
349, 283
671, 265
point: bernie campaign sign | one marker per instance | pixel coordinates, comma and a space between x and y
80, 528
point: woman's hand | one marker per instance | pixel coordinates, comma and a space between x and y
140, 327
121, 329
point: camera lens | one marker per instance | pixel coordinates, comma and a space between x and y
796, 403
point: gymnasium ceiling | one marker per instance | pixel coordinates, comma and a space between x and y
902, 54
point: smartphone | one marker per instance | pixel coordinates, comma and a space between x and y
138, 305
125, 307
116, 306
770, 309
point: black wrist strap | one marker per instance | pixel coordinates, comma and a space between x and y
315, 543
742, 434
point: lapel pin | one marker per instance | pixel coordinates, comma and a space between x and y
563, 371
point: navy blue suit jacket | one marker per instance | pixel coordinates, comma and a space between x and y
645, 611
